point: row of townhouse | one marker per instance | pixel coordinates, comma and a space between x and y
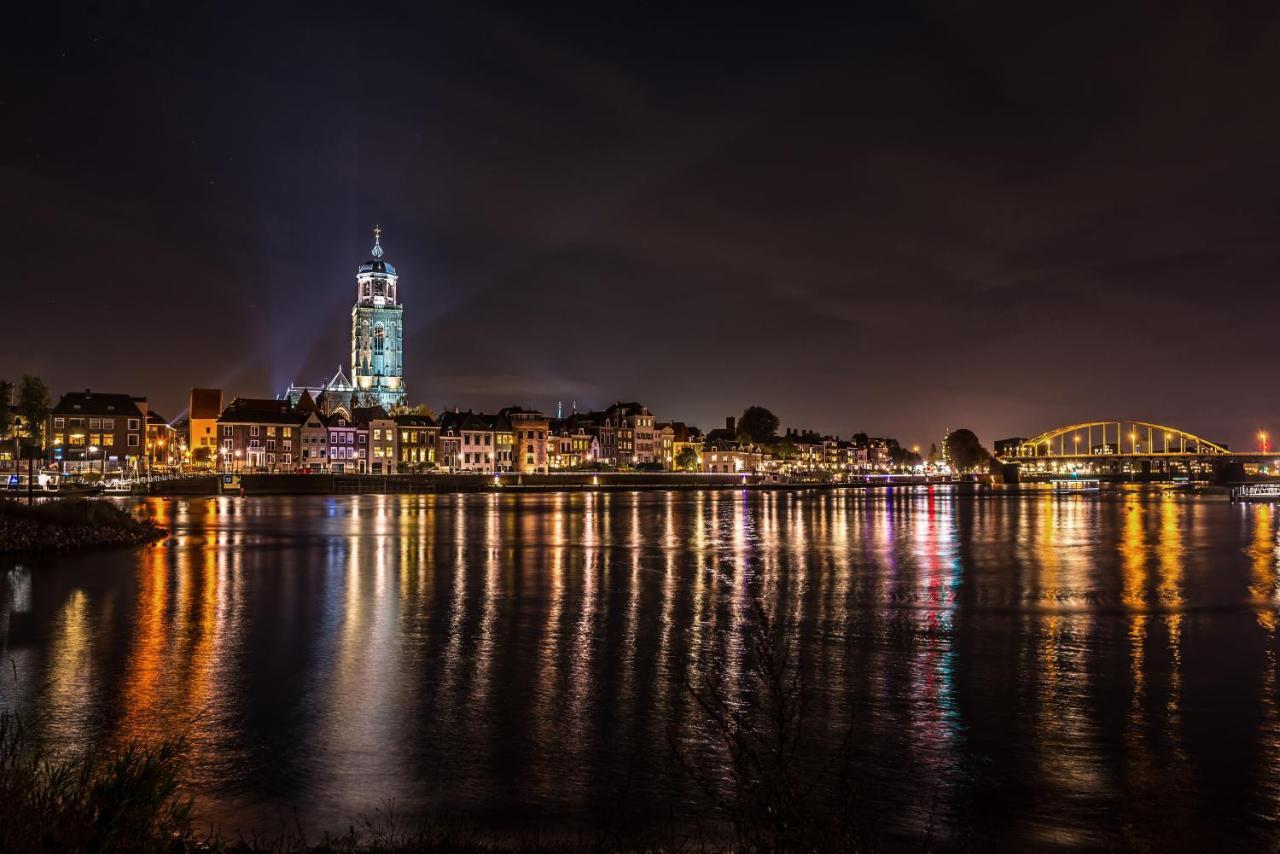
270, 435
625, 435
275, 435
119, 434
799, 454
524, 441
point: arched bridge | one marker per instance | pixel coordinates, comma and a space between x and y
1116, 438
1123, 448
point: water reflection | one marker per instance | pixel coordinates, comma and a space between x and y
1011, 667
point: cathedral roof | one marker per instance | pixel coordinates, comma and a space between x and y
339, 382
376, 264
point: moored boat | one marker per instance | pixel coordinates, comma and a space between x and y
1076, 485
1256, 492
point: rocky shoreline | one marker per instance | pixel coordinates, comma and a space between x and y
67, 525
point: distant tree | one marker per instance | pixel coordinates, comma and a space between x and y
6, 415
6, 401
963, 451
200, 455
33, 407
758, 423
934, 456
860, 440
784, 448
900, 457
687, 458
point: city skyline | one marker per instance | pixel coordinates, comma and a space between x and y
1004, 237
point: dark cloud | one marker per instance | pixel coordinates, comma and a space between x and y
894, 218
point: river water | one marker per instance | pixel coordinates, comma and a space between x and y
1029, 670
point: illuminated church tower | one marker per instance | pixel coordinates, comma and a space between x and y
377, 333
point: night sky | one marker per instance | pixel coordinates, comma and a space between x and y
903, 220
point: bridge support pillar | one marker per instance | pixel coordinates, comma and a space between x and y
1228, 472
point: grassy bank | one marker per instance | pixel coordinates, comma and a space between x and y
70, 524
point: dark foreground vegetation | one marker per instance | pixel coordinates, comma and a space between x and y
70, 524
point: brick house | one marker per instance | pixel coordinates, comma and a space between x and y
380, 431
530, 430
259, 435
95, 431
416, 442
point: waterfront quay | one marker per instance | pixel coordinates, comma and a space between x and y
339, 484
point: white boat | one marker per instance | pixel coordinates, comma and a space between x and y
1256, 492
1076, 485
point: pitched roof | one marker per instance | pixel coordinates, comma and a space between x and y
206, 402
455, 420
627, 409
411, 420
96, 403
725, 445
680, 431
249, 410
499, 422
365, 414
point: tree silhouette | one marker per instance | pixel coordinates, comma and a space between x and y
758, 423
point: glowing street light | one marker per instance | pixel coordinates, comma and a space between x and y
1262, 440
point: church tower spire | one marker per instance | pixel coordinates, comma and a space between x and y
377, 332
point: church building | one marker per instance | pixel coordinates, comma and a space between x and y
377, 343
377, 329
